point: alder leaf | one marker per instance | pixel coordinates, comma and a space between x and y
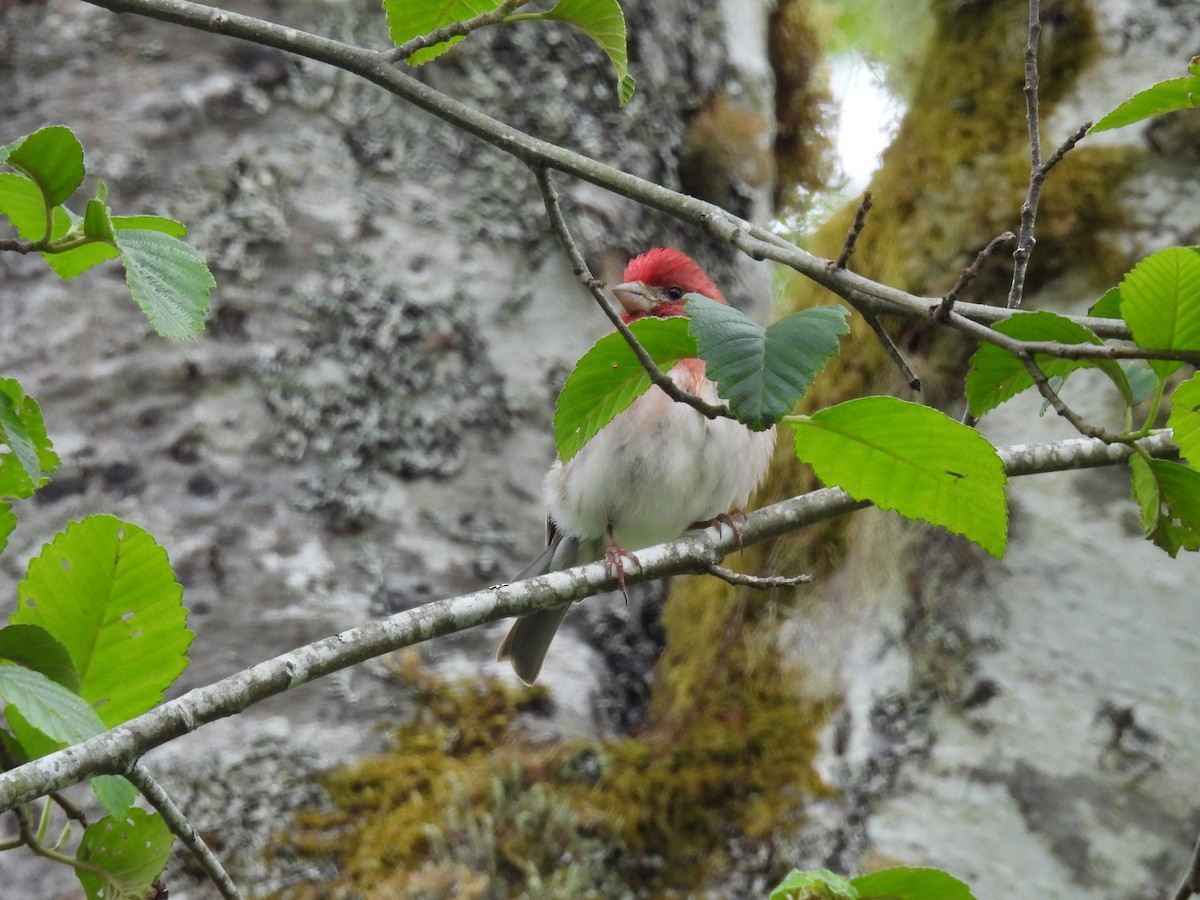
1184, 420
1160, 301
1175, 93
904, 883
132, 849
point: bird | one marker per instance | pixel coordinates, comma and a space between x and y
656, 470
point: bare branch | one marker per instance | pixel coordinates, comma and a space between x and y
1029, 208
454, 29
967, 275
182, 829
13, 245
117, 749
1190, 886
910, 377
579, 267
1043, 385
860, 219
758, 582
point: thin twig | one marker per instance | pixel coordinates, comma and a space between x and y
860, 219
1190, 886
967, 275
1029, 207
893, 351
13, 245
758, 582
1051, 396
562, 231
454, 29
182, 829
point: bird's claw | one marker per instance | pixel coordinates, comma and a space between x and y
614, 558
729, 519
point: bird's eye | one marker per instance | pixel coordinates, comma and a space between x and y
675, 293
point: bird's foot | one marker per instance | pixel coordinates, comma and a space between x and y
615, 557
730, 518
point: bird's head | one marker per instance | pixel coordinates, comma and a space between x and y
655, 284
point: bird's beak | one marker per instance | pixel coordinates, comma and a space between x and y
634, 296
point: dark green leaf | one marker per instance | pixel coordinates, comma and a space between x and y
1168, 494
1142, 380
912, 459
608, 378
133, 850
997, 375
105, 589
169, 280
35, 648
53, 157
22, 429
1160, 301
817, 884
903, 883
1177, 93
1185, 420
763, 373
61, 715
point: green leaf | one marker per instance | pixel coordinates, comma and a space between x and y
22, 202
115, 793
997, 375
1184, 420
1160, 301
1142, 380
1109, 305
169, 280
22, 429
69, 263
97, 221
903, 883
150, 223
35, 648
1177, 93
818, 884
408, 19
910, 458
61, 715
8, 521
53, 157
608, 378
1168, 494
604, 23
763, 373
133, 850
105, 589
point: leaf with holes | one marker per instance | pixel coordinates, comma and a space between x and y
132, 849
1185, 420
29, 455
1168, 494
106, 591
910, 458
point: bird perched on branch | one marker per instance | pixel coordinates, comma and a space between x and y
656, 470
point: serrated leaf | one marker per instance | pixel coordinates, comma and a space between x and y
1142, 380
816, 884
61, 715
997, 375
97, 221
22, 471
35, 648
763, 373
1184, 420
408, 19
1168, 494
169, 280
1109, 305
22, 202
52, 157
913, 459
150, 223
1176, 93
115, 793
77, 260
604, 22
904, 883
105, 589
1160, 301
132, 850
8, 521
608, 378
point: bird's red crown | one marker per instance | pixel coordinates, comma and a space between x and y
666, 267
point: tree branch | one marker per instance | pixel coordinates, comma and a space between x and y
454, 29
117, 749
1190, 886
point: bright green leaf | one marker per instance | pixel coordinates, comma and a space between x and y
1177, 93
763, 373
604, 23
24, 433
53, 157
169, 280
97, 221
35, 648
8, 521
913, 459
997, 375
408, 19
133, 850
1160, 301
608, 378
903, 883
78, 260
1168, 494
105, 589
1109, 305
24, 205
150, 223
115, 793
61, 715
817, 884
1185, 420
